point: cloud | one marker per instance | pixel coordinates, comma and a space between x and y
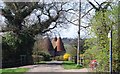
71, 32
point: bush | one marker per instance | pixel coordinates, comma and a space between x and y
59, 58
66, 56
46, 57
101, 55
13, 46
41, 56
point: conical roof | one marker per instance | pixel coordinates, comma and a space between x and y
60, 45
54, 40
49, 46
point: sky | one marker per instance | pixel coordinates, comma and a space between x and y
71, 30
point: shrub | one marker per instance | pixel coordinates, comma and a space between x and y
41, 56
13, 46
59, 58
101, 55
66, 56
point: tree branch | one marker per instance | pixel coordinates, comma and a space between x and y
97, 9
46, 30
86, 12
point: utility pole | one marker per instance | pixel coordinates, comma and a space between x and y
78, 49
110, 52
110, 49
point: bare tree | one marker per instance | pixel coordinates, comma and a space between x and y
34, 17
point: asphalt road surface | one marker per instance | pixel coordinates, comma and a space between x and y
54, 66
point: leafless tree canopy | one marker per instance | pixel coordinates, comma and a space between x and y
34, 17
41, 17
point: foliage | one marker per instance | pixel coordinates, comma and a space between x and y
46, 56
71, 47
41, 56
70, 65
70, 50
14, 46
14, 71
98, 47
40, 51
24, 28
100, 55
58, 58
18, 16
66, 56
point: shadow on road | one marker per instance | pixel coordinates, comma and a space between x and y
51, 63
68, 63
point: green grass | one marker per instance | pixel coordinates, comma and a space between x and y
71, 65
13, 71
0, 71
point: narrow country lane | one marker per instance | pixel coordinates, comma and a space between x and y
54, 66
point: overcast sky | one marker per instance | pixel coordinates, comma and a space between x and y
71, 30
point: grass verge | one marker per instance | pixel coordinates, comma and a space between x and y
13, 71
71, 65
